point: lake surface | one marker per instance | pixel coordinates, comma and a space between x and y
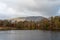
29, 35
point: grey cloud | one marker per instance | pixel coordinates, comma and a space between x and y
46, 8
34, 7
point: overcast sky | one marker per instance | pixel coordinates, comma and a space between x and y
16, 8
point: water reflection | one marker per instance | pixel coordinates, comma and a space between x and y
29, 35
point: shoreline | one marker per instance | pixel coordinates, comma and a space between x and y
11, 28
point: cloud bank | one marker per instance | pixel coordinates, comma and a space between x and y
16, 8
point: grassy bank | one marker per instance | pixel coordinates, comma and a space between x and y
12, 28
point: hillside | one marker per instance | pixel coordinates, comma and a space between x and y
30, 18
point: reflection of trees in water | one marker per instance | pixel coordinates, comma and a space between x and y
54, 35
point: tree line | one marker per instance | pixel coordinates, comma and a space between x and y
53, 23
